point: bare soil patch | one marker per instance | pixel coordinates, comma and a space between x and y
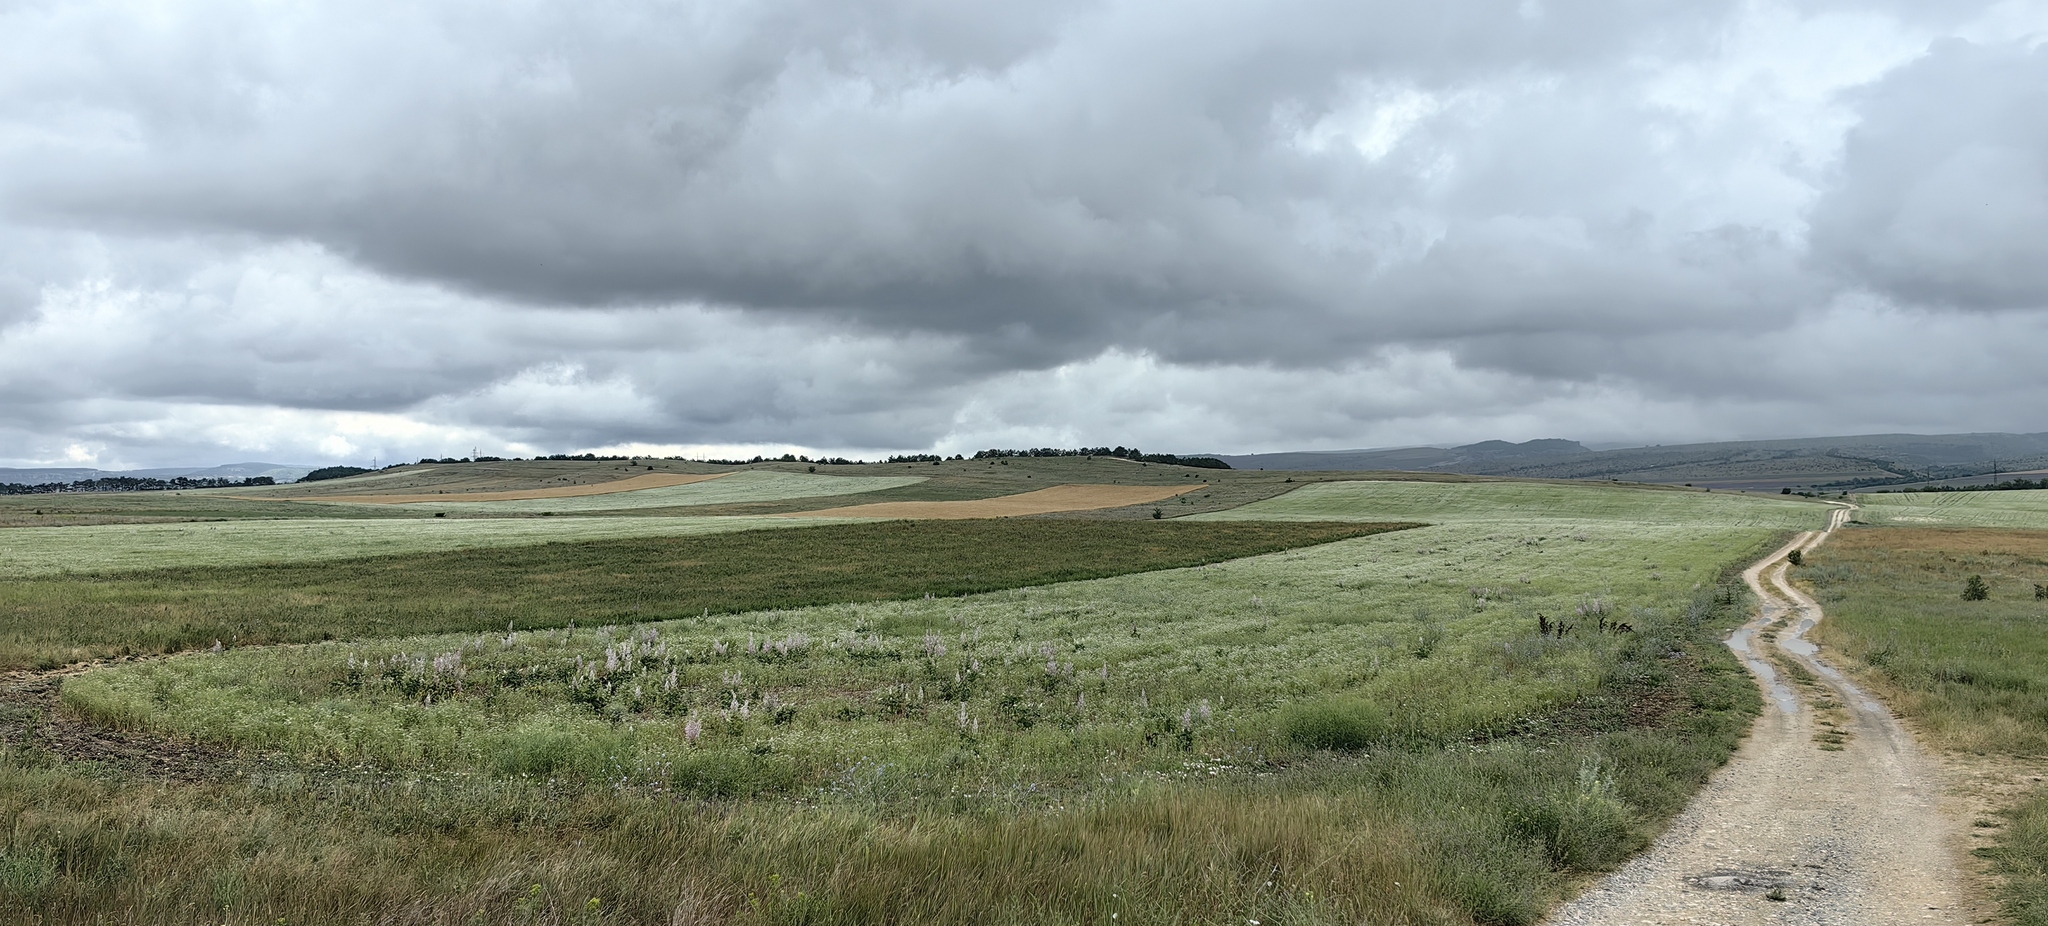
648, 481
31, 717
1043, 501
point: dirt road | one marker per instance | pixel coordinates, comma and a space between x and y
1829, 813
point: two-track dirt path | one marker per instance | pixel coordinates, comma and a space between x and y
1829, 813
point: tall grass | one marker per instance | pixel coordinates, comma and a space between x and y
1484, 832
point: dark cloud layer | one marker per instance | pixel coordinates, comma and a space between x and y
313, 230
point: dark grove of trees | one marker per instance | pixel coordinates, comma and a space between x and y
132, 484
1126, 453
333, 472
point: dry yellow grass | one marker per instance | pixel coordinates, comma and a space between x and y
1043, 501
648, 481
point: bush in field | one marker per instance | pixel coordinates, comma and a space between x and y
1974, 589
1796, 557
1580, 825
1334, 723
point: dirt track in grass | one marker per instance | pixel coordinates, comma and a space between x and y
1044, 501
1829, 814
648, 481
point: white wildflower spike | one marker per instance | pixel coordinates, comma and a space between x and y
1081, 701
1187, 721
692, 729
1203, 711
670, 684
611, 659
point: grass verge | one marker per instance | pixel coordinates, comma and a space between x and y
1972, 674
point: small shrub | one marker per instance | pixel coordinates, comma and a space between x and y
1580, 825
1426, 643
1974, 589
1796, 557
1334, 723
2040, 592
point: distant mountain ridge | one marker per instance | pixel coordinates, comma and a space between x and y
282, 472
1819, 463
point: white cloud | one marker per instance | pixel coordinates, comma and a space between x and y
321, 230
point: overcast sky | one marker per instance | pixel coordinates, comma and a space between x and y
307, 232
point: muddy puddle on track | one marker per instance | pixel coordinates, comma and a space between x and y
1828, 814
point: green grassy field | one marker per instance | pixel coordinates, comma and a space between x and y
1550, 503
2023, 509
1972, 675
1366, 730
103, 508
60, 619
738, 488
29, 551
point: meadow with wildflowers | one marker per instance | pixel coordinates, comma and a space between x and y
1445, 724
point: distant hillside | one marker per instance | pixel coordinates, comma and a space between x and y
1832, 463
282, 472
1451, 459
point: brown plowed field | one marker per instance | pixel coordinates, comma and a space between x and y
1043, 501
649, 481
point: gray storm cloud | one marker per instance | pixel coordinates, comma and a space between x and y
901, 225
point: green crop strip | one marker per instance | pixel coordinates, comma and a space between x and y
50, 620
